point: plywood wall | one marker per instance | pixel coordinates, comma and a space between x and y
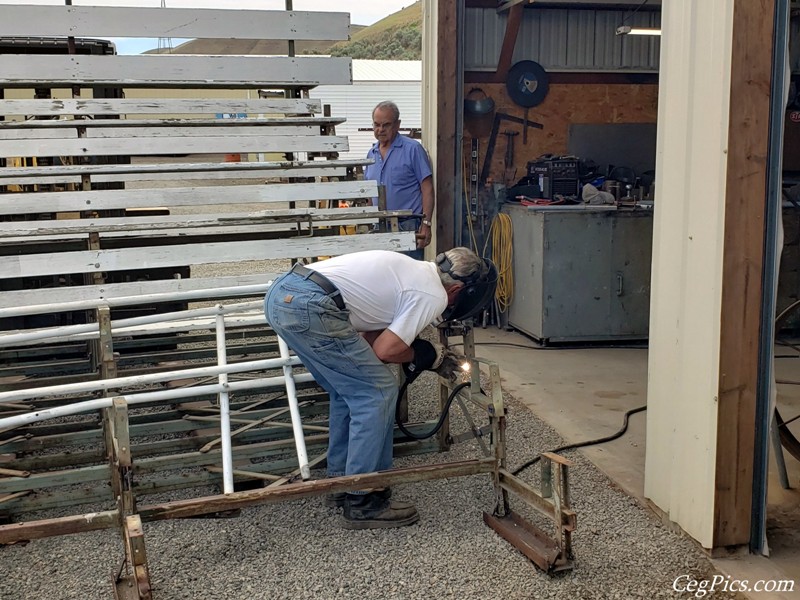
565, 104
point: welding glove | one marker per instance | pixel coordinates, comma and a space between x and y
443, 361
451, 367
428, 356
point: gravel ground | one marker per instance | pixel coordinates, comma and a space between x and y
297, 550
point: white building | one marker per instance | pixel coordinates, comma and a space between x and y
374, 81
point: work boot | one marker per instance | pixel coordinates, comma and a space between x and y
375, 511
337, 499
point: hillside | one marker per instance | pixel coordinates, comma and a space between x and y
264, 47
396, 37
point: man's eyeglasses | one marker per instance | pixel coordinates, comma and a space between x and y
386, 125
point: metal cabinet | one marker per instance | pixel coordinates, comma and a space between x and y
581, 273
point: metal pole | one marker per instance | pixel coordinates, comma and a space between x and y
144, 397
204, 294
119, 382
769, 278
203, 323
291, 42
54, 332
225, 409
294, 410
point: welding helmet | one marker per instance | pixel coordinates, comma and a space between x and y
478, 290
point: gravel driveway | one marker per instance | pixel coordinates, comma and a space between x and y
297, 550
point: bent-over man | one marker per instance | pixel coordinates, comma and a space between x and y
348, 318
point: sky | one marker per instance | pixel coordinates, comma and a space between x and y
362, 12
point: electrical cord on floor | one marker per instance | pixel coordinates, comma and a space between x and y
602, 440
442, 416
565, 347
530, 463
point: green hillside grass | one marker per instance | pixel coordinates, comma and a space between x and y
396, 37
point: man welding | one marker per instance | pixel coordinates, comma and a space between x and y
348, 318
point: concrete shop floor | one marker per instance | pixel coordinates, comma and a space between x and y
584, 393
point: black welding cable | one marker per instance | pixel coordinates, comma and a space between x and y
559, 347
442, 417
603, 440
634, 11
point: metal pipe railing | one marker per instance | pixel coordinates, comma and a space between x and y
119, 382
225, 409
91, 329
76, 408
146, 299
202, 323
294, 410
174, 321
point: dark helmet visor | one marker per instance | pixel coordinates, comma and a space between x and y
474, 296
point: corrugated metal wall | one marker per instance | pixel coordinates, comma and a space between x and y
688, 236
355, 103
564, 40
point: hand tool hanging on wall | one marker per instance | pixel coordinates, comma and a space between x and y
509, 160
499, 118
525, 128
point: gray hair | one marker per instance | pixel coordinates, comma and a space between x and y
465, 263
388, 104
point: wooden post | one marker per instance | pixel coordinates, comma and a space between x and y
446, 139
509, 41
135, 585
743, 262
121, 462
104, 355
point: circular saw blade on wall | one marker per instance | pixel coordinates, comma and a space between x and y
527, 83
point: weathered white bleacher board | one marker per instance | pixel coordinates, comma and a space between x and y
174, 70
146, 106
60, 225
281, 197
93, 21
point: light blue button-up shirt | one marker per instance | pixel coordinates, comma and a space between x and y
402, 171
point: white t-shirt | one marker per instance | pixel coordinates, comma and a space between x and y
387, 290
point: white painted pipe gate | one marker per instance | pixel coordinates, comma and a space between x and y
184, 320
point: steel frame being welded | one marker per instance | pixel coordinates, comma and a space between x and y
549, 552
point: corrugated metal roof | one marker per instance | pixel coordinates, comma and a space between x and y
564, 40
387, 70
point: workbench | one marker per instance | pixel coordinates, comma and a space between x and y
581, 273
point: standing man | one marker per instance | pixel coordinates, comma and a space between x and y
401, 164
346, 318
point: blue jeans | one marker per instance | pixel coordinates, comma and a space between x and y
411, 224
362, 389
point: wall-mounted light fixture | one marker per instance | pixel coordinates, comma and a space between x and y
628, 30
